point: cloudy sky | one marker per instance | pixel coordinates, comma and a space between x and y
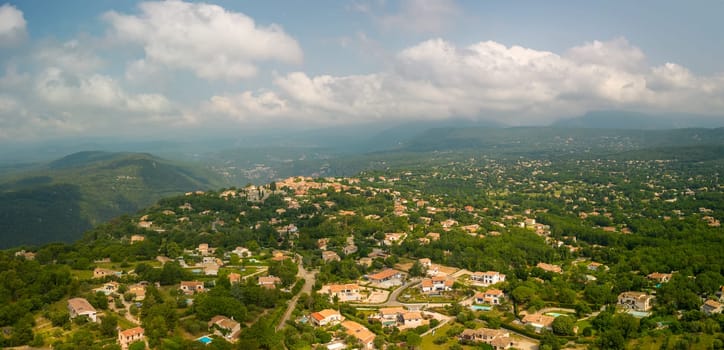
123, 68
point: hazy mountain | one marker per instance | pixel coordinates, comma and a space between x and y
636, 120
60, 199
553, 142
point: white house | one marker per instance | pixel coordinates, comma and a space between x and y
638, 301
492, 296
326, 317
487, 278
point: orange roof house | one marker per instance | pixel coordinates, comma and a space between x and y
326, 317
361, 333
234, 278
384, 275
549, 267
129, 336
539, 321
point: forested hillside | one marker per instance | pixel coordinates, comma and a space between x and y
59, 200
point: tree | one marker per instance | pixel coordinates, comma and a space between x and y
172, 273
628, 325
522, 294
563, 325
139, 345
413, 340
417, 270
549, 341
109, 324
612, 339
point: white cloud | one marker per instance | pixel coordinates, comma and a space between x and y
12, 26
67, 90
206, 39
245, 106
437, 79
71, 56
616, 53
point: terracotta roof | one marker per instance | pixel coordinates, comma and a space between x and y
712, 303
412, 315
549, 267
494, 292
324, 314
358, 331
132, 332
383, 274
501, 342
336, 288
223, 322
543, 320
192, 283
269, 280
391, 310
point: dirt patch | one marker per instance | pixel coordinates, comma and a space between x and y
376, 296
404, 266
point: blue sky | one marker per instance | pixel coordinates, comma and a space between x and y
119, 68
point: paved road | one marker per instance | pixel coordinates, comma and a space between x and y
392, 300
309, 279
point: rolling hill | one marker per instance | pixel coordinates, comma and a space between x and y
59, 200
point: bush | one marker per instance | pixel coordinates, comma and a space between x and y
440, 340
434, 323
454, 331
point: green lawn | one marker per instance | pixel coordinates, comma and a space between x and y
427, 341
82, 274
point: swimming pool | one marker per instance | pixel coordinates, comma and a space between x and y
554, 314
638, 314
205, 340
480, 308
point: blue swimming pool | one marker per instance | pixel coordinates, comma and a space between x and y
480, 308
554, 314
205, 339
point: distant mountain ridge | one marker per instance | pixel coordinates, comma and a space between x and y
553, 141
640, 121
59, 200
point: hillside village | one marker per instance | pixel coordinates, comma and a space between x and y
501, 255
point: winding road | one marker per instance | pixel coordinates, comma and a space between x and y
309, 280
